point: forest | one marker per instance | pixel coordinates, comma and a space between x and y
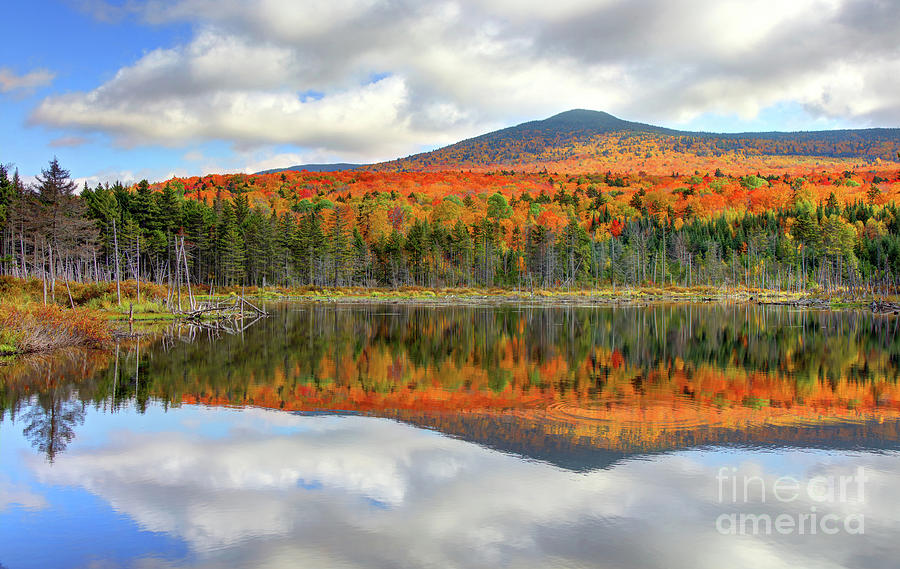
799, 228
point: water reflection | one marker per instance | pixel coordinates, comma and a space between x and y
477, 437
551, 383
50, 423
256, 488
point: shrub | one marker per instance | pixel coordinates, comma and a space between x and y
42, 328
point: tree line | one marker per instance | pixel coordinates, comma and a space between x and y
113, 232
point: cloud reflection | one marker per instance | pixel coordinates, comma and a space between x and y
287, 490
12, 494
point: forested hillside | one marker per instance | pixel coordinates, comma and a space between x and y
797, 228
581, 140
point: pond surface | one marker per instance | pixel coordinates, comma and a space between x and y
411, 436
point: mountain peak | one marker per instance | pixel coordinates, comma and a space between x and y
584, 115
585, 121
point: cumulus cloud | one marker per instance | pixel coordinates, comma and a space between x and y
376, 79
10, 81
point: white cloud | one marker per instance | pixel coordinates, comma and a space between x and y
112, 175
376, 79
9, 81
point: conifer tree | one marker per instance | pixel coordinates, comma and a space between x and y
231, 247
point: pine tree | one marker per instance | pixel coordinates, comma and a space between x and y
231, 247
58, 219
8, 197
415, 247
260, 247
873, 194
169, 205
144, 208
361, 259
339, 248
284, 238
7, 193
241, 204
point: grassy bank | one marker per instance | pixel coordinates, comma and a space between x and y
27, 325
151, 303
102, 297
38, 328
602, 295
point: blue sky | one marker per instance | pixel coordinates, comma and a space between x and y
81, 52
152, 88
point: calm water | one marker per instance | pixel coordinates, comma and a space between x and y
395, 436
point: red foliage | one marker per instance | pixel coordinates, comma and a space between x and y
615, 227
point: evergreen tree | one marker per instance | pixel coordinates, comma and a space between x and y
231, 247
58, 219
339, 249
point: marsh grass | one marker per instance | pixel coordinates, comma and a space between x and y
38, 328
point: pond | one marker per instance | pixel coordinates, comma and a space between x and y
392, 435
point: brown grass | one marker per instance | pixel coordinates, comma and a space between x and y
41, 328
95, 295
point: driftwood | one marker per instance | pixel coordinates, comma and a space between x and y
802, 302
222, 310
189, 331
223, 326
884, 307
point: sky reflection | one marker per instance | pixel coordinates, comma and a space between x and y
260, 488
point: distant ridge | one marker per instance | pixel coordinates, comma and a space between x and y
586, 135
339, 167
600, 138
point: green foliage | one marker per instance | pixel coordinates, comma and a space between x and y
303, 206
324, 204
498, 207
752, 182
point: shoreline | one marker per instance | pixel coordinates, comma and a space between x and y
111, 321
596, 297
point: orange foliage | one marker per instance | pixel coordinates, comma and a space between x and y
378, 202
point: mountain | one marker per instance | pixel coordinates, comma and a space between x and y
339, 167
592, 140
576, 121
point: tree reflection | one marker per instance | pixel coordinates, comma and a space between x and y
626, 377
50, 423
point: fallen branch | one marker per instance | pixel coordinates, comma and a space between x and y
221, 311
883, 307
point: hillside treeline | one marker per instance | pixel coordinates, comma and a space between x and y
584, 231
